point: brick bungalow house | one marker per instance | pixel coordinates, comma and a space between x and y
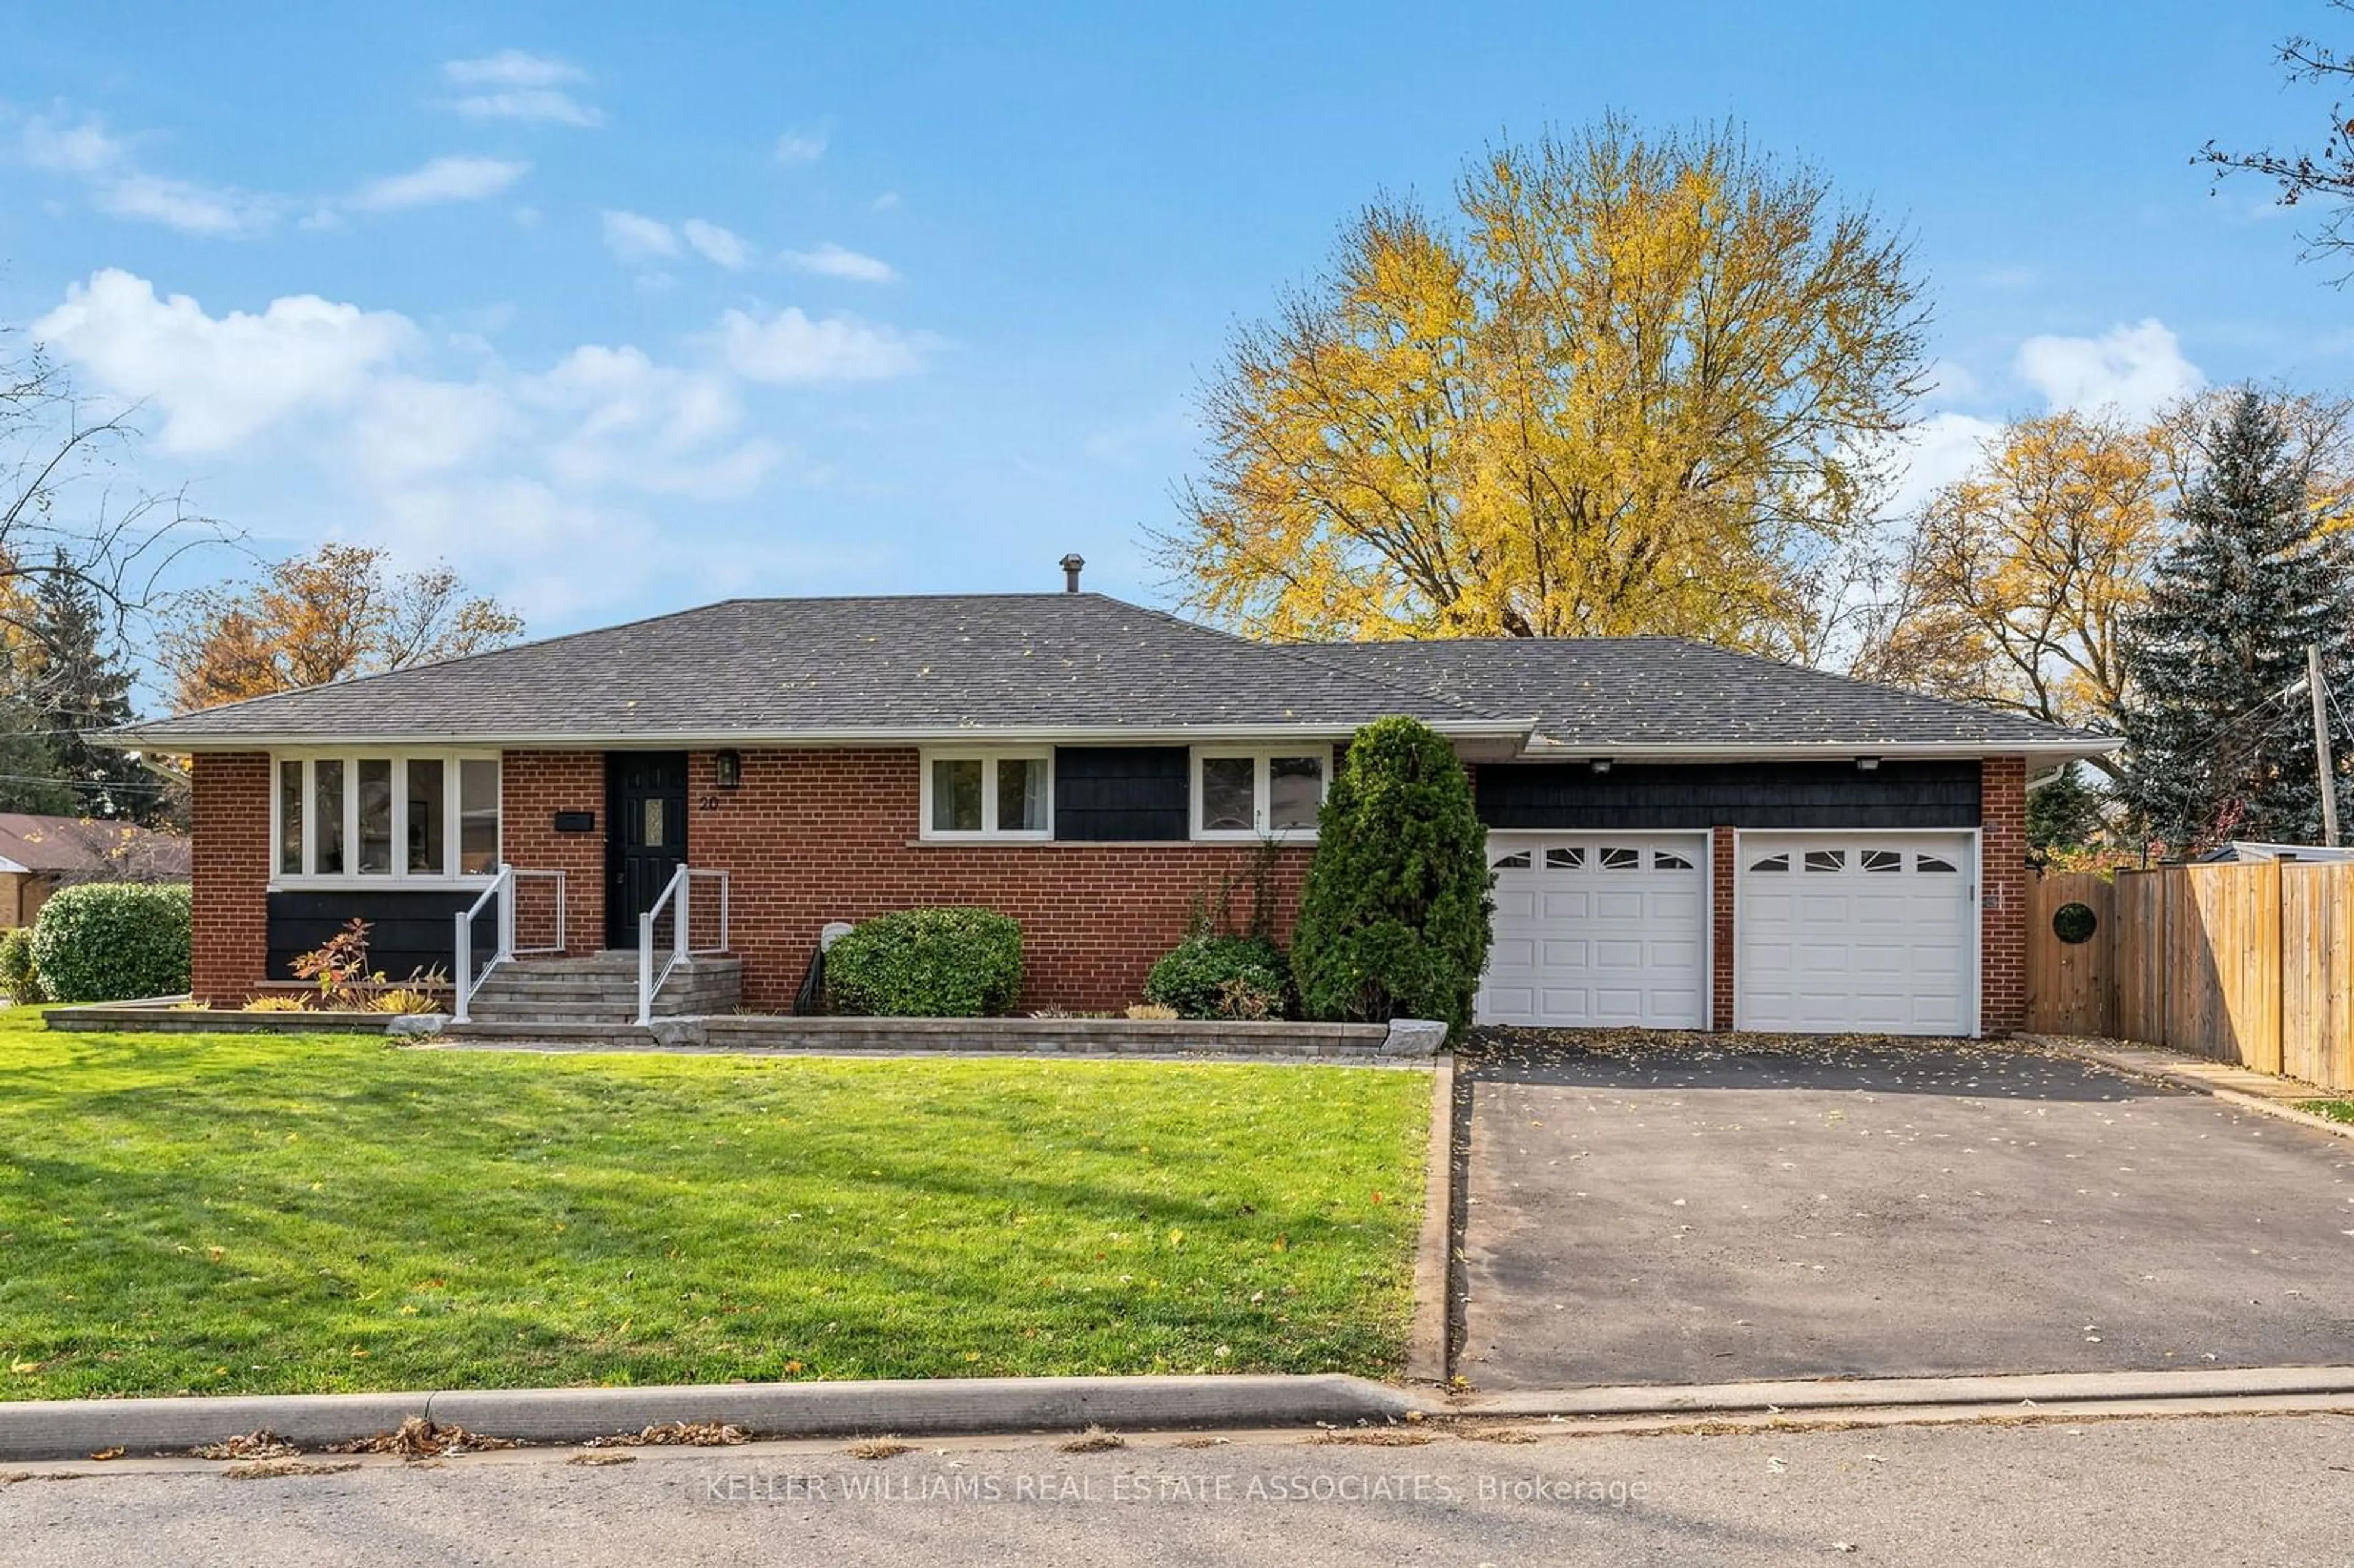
1682, 836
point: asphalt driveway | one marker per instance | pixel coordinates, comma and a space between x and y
1690, 1209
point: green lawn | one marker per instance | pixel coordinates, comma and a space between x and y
2336, 1110
219, 1214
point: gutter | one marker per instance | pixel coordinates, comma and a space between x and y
1519, 732
1827, 750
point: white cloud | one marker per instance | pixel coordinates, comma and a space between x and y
512, 67
789, 346
801, 146
440, 180
406, 428
1934, 454
2136, 369
83, 149
634, 237
530, 480
519, 86
831, 260
219, 381
120, 188
718, 245
887, 202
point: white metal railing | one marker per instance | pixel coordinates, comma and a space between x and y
678, 895
501, 898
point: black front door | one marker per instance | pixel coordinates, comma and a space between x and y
645, 835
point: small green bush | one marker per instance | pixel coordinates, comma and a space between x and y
1221, 976
926, 963
1394, 916
18, 975
107, 941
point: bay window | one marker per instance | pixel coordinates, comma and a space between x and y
988, 795
391, 816
1276, 792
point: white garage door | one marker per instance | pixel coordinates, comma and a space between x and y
1594, 929
1864, 932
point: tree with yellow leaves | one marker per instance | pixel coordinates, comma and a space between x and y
327, 615
2016, 582
1644, 384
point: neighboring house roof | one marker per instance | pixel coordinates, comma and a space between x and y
1054, 666
2250, 849
76, 846
1632, 693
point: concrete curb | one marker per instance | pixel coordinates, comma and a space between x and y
58, 1429
1426, 1352
2129, 1063
1869, 1393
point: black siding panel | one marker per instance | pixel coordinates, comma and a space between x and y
1734, 794
408, 931
1106, 794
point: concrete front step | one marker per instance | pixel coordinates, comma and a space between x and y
549, 994
565, 1030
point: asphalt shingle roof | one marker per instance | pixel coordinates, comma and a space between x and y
925, 666
901, 664
1605, 692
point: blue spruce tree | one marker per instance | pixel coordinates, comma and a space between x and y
2214, 749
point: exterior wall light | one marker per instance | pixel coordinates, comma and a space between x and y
1600, 765
727, 769
1867, 764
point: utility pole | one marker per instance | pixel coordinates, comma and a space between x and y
2319, 694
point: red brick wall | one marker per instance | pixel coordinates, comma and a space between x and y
2002, 895
533, 787
1721, 882
813, 836
228, 815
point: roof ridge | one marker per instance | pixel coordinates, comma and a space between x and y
1298, 653
1881, 688
347, 681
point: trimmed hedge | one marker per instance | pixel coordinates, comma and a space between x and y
18, 977
1394, 916
109, 941
926, 963
1221, 976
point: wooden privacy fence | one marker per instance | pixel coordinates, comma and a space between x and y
2250, 964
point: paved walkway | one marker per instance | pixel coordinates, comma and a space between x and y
2182, 1070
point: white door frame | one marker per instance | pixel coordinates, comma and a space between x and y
1705, 860
1976, 891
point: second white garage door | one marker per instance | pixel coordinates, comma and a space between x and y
1595, 929
1856, 932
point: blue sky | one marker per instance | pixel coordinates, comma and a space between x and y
621, 309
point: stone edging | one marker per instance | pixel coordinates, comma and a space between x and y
1426, 1356
163, 1016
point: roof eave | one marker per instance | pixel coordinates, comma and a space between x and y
158, 739
2058, 749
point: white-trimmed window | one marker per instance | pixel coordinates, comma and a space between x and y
394, 816
999, 793
1267, 792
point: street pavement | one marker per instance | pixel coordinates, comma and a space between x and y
2220, 1489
